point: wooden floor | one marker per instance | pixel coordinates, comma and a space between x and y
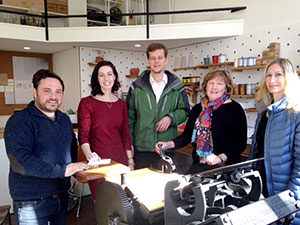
87, 214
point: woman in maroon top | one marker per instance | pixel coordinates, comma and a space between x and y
103, 127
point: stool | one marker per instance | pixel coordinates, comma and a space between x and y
5, 215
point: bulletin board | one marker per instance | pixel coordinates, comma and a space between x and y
23, 68
6, 66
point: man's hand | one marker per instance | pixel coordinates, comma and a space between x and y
164, 146
163, 124
73, 168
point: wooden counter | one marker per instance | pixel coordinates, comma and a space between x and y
102, 172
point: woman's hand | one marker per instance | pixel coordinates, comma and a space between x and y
164, 146
131, 164
93, 157
212, 159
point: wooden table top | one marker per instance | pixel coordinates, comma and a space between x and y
102, 171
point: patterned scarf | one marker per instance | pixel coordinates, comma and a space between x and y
202, 130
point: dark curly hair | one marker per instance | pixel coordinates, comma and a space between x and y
96, 89
43, 74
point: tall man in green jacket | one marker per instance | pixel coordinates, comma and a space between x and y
157, 104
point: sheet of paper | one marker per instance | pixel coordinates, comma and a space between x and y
99, 162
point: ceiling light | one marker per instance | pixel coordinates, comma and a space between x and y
27, 48
137, 45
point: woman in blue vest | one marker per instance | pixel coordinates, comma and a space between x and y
277, 129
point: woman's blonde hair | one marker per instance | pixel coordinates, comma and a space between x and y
291, 90
218, 72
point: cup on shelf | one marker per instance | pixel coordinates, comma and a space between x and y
206, 60
215, 59
222, 58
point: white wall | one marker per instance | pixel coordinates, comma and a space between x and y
4, 191
259, 15
66, 65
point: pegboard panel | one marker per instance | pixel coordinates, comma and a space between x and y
248, 45
123, 61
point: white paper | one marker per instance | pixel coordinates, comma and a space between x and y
9, 88
23, 93
99, 162
9, 98
23, 69
1, 88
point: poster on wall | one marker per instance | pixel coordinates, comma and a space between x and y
23, 70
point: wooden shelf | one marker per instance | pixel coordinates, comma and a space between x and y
214, 65
195, 84
131, 76
92, 63
204, 66
240, 69
242, 96
185, 68
250, 110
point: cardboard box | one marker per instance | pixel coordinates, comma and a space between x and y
52, 1
258, 62
274, 54
52, 7
274, 45
265, 54
18, 3
36, 4
62, 2
265, 61
29, 4
62, 9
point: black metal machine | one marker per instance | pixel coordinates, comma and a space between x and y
226, 195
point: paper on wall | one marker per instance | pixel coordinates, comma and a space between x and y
9, 97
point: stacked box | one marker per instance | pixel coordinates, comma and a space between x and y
29, 4
274, 49
63, 9
51, 7
58, 6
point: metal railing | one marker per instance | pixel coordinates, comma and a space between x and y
46, 16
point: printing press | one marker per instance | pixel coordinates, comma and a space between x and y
226, 195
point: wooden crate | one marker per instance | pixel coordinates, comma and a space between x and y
61, 9
62, 2
52, 7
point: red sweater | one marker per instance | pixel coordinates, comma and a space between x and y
104, 125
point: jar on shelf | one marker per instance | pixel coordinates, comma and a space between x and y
245, 62
241, 62
235, 89
249, 89
236, 62
250, 61
242, 90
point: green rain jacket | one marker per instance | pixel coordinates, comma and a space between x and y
144, 113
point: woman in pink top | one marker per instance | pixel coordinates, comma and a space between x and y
103, 127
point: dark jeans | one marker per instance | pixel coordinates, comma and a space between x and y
42, 211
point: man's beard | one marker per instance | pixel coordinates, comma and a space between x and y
45, 108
